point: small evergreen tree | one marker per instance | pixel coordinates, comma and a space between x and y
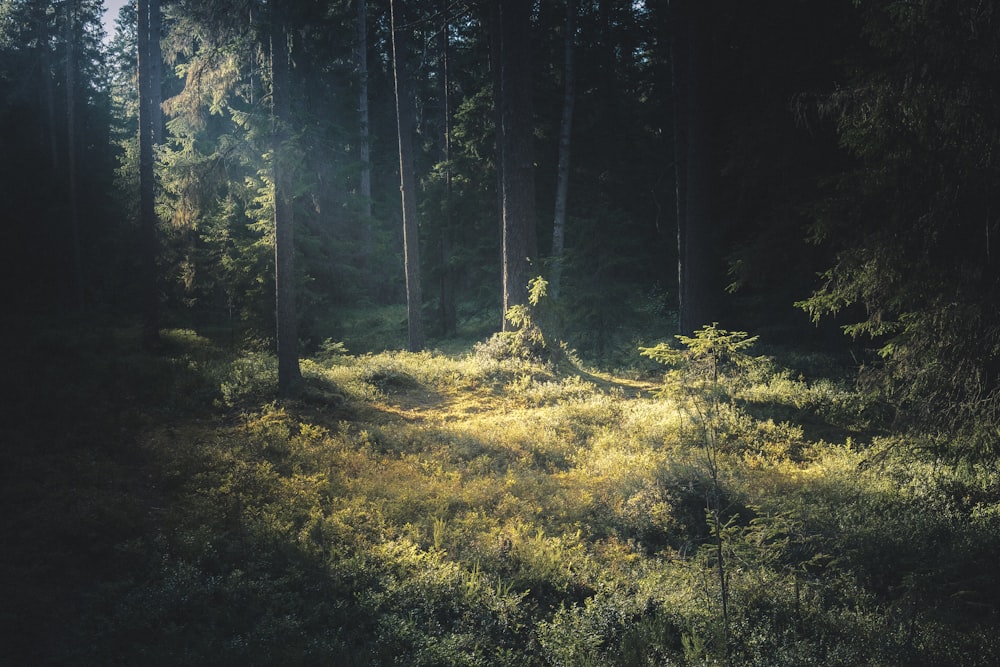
698, 372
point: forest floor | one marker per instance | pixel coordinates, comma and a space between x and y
473, 509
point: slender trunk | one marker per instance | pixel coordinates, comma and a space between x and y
289, 374
519, 235
562, 169
71, 166
365, 149
147, 208
449, 317
497, 81
407, 181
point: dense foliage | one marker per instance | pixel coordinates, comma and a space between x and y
914, 222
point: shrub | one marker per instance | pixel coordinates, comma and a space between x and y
250, 379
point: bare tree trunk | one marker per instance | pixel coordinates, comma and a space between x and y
520, 241
407, 181
449, 316
365, 149
364, 140
696, 257
678, 69
562, 169
289, 374
497, 81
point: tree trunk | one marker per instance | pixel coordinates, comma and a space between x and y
289, 374
364, 149
696, 256
562, 169
405, 114
520, 241
365, 140
493, 31
449, 316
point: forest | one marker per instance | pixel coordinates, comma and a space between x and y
497, 332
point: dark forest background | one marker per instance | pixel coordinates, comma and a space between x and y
789, 168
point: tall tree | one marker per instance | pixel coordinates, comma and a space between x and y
520, 241
697, 270
289, 373
449, 316
405, 121
148, 121
565, 135
364, 120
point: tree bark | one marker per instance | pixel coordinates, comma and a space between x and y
449, 315
696, 256
493, 31
405, 118
364, 149
289, 374
520, 241
562, 168
365, 140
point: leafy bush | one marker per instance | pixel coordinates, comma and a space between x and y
250, 379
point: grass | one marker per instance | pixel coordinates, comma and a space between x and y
471, 509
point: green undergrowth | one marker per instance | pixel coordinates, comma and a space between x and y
477, 508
